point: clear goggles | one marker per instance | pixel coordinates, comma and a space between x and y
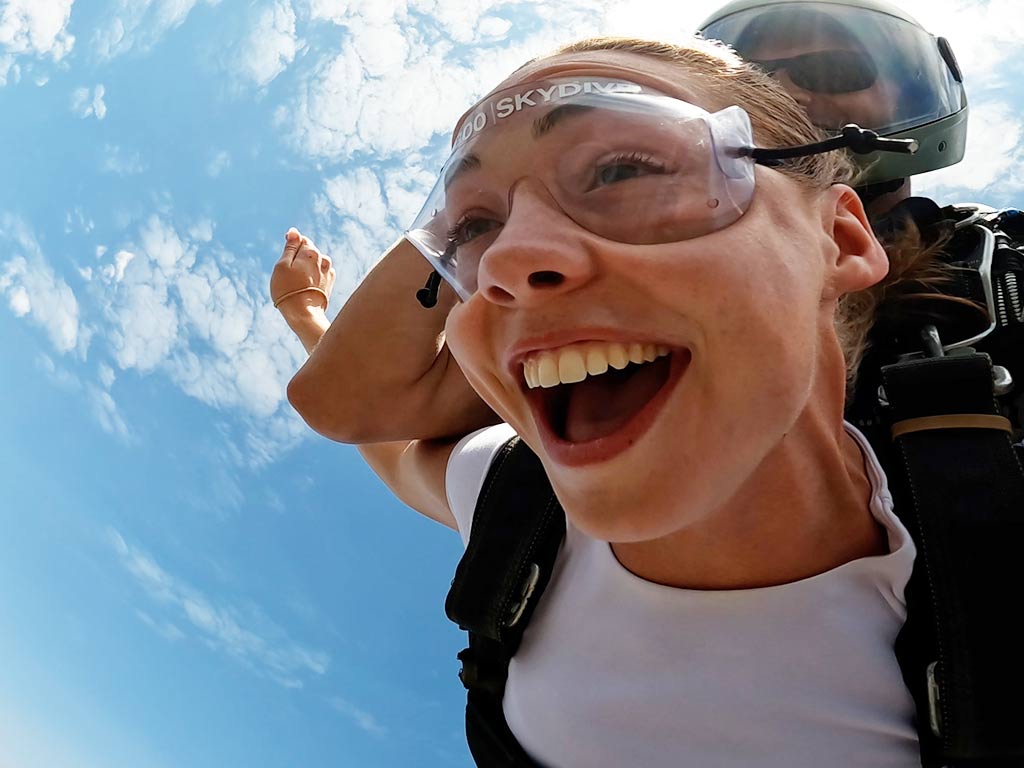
620, 160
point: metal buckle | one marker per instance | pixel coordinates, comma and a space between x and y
525, 592
934, 713
985, 271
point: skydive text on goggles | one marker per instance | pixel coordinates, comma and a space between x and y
619, 160
827, 72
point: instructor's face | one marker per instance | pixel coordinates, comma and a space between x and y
871, 106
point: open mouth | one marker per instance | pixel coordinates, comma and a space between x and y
598, 394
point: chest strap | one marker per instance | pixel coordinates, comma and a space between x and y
518, 528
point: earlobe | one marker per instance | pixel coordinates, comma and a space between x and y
859, 261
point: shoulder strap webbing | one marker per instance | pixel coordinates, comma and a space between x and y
960, 491
518, 527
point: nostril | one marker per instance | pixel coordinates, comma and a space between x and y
545, 278
499, 295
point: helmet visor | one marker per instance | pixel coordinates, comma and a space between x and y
847, 64
617, 159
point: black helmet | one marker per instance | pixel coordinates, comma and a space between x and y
857, 61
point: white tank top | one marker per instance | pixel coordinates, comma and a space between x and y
617, 671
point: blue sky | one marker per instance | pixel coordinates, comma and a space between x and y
191, 577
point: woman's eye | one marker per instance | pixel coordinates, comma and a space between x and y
625, 168
609, 174
470, 229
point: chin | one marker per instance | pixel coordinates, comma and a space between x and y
625, 513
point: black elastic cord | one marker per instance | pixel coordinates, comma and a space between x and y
427, 295
859, 140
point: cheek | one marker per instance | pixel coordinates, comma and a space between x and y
753, 302
464, 336
469, 340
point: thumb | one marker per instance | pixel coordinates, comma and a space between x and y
292, 243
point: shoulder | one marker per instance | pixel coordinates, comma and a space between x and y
467, 467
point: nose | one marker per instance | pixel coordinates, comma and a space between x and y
540, 253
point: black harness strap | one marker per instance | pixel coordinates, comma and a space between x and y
960, 491
518, 528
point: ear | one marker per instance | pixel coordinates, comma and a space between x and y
858, 260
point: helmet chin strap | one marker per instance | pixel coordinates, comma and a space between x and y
858, 140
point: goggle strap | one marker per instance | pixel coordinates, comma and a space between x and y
858, 140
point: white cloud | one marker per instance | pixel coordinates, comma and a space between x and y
180, 305
201, 231
220, 163
494, 27
35, 291
117, 160
76, 219
85, 104
8, 70
106, 375
360, 212
139, 24
20, 303
33, 28
407, 69
358, 194
362, 719
244, 634
985, 36
270, 45
107, 413
97, 395
115, 271
993, 163
166, 629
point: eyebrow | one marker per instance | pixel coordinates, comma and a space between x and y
541, 127
468, 163
544, 124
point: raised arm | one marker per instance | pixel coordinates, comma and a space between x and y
414, 469
381, 371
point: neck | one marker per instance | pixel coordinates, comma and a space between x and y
885, 203
804, 511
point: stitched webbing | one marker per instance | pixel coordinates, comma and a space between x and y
963, 498
518, 527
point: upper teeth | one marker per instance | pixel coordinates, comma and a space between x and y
575, 362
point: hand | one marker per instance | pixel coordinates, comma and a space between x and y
303, 278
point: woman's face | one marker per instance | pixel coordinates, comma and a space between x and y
733, 321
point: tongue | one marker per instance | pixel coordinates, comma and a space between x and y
601, 405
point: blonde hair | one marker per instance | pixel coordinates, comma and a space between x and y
779, 121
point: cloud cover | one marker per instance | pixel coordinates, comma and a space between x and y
245, 634
33, 28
